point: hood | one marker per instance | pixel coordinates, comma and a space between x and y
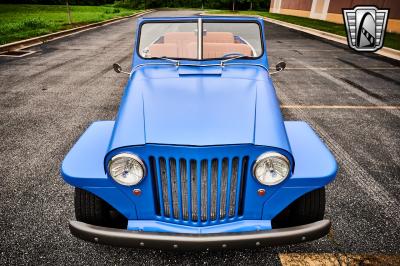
163, 105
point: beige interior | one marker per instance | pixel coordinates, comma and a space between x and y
219, 37
214, 50
183, 45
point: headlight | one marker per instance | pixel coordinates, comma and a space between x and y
126, 169
271, 168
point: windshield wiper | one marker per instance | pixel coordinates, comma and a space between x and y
176, 62
236, 56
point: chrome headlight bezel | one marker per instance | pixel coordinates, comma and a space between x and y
130, 156
271, 156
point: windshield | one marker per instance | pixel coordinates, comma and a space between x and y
219, 40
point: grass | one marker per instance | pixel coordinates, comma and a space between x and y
18, 22
392, 40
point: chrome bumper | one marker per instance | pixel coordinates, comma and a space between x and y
136, 239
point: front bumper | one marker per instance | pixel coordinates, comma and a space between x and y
126, 238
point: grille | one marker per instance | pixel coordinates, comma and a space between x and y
199, 191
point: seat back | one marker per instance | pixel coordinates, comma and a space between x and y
219, 37
217, 50
163, 49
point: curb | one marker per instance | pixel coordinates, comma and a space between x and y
384, 51
64, 33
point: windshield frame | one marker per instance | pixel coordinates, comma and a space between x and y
200, 21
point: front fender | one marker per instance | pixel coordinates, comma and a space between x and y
315, 168
83, 167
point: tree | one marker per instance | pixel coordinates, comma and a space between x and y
69, 13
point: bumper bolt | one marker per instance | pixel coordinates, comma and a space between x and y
141, 244
175, 246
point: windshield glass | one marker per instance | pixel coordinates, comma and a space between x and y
173, 40
220, 40
227, 39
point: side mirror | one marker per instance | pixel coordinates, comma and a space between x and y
118, 69
280, 66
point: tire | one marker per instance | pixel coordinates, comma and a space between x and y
308, 208
93, 210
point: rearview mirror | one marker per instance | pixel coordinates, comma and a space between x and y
118, 69
280, 66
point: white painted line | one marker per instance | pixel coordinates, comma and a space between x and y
350, 88
6, 54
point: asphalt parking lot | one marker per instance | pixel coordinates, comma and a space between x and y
49, 98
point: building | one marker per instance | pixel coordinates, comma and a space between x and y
331, 10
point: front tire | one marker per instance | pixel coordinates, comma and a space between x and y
93, 210
308, 208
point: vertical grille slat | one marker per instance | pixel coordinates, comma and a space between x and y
171, 200
164, 185
214, 189
199, 191
174, 188
193, 182
184, 189
232, 190
178, 192
228, 188
240, 203
204, 188
239, 180
219, 177
223, 190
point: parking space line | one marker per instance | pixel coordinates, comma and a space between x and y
300, 259
363, 107
350, 88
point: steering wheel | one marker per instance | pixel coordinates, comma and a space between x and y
232, 54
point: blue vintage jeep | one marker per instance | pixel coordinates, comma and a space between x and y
199, 156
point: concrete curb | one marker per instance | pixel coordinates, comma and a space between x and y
23, 44
385, 51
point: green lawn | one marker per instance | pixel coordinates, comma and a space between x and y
19, 22
392, 40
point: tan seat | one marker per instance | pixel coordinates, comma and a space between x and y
180, 37
164, 49
217, 50
188, 50
219, 37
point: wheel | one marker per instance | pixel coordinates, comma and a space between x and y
93, 210
308, 208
